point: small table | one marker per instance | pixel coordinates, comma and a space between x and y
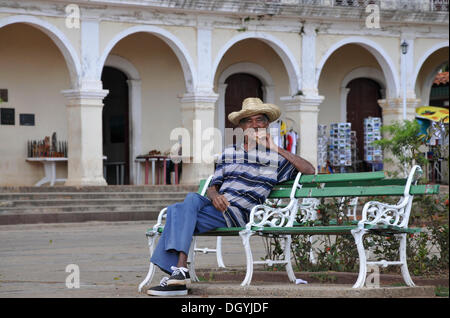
49, 169
155, 160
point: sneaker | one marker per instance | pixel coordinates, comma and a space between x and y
180, 276
164, 290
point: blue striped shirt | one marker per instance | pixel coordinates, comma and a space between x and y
246, 179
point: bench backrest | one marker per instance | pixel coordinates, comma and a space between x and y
362, 184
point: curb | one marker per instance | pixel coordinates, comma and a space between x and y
308, 291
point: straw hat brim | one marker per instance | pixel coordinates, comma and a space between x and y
272, 112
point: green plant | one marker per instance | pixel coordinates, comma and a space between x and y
324, 277
428, 250
441, 291
403, 140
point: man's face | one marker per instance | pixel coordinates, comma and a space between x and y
255, 122
255, 128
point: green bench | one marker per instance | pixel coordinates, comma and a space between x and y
291, 209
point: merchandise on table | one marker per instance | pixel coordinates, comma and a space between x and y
340, 151
322, 147
354, 146
372, 132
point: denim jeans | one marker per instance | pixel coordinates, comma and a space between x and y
194, 215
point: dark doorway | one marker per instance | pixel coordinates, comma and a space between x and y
116, 127
239, 87
362, 102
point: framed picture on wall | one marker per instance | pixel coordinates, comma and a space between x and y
7, 116
26, 119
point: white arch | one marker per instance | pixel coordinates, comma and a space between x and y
58, 37
425, 56
360, 72
278, 46
174, 43
250, 68
366, 72
124, 65
388, 67
135, 108
428, 83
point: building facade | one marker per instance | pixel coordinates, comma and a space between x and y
164, 65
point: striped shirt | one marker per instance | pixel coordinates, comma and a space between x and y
246, 179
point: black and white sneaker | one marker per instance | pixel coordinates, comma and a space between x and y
165, 290
180, 276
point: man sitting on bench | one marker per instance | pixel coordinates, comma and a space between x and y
244, 177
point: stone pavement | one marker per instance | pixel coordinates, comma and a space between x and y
112, 258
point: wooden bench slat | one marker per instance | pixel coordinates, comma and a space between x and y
336, 230
319, 178
298, 229
394, 190
361, 183
337, 177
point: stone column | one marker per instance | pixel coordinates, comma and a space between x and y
84, 111
309, 85
197, 111
392, 109
304, 111
135, 127
85, 144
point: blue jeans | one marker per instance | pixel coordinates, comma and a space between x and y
194, 215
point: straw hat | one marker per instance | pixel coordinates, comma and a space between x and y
253, 106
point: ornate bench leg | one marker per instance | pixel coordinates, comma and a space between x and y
191, 260
312, 256
151, 269
404, 267
287, 258
245, 235
219, 252
358, 235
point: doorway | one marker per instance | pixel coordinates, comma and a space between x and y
362, 102
239, 87
115, 118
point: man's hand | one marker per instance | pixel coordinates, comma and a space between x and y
218, 200
264, 139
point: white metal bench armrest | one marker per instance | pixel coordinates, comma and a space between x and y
265, 215
375, 212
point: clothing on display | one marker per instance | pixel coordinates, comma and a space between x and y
284, 139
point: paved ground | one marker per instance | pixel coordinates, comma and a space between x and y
113, 259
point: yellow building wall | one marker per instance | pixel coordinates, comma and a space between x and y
34, 72
162, 84
257, 52
340, 63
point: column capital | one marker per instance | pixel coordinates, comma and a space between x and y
309, 29
85, 97
393, 108
303, 103
396, 103
199, 98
